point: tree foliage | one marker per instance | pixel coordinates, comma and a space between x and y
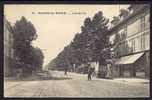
87, 44
24, 33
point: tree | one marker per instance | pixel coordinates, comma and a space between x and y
24, 33
99, 38
86, 44
117, 39
37, 59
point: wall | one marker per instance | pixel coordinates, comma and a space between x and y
8, 49
134, 38
135, 35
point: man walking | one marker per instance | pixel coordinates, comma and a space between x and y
91, 70
65, 71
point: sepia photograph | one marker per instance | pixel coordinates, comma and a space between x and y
76, 50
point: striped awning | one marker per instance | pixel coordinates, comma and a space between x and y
129, 59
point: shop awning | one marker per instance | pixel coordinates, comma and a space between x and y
129, 59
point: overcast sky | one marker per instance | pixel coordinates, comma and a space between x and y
55, 31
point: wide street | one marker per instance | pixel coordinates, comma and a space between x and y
73, 85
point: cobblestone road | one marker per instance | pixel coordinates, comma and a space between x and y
73, 85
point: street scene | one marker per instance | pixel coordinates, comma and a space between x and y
75, 85
77, 50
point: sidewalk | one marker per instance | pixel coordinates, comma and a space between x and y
133, 80
32, 77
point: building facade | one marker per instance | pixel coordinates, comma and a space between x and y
8, 48
131, 42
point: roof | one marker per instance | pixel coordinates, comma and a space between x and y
128, 17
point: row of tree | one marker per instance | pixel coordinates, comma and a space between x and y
88, 45
28, 58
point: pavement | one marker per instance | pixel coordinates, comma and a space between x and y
76, 85
133, 80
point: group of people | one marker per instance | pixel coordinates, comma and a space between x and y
93, 68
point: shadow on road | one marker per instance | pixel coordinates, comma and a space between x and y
38, 79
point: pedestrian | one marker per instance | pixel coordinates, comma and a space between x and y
90, 72
65, 71
19, 73
109, 69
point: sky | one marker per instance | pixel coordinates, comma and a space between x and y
56, 25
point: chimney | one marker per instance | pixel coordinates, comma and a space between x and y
123, 13
115, 20
134, 7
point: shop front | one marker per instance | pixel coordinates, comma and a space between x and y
131, 66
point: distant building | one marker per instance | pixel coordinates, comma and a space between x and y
8, 47
130, 38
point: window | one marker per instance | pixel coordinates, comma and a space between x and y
124, 52
147, 41
120, 48
124, 48
138, 43
117, 50
127, 47
133, 44
12, 53
123, 32
142, 42
142, 24
147, 21
133, 28
130, 46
